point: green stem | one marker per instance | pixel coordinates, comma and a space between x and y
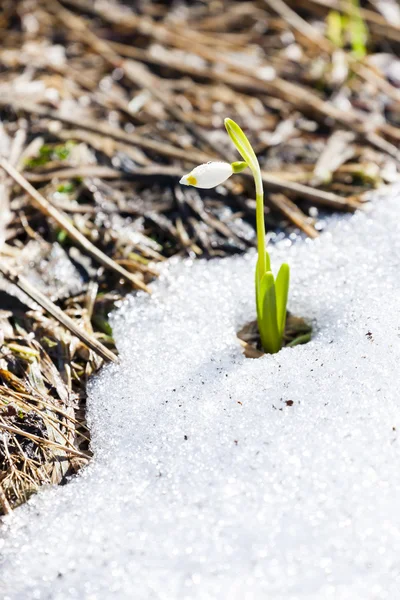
260, 224
244, 147
271, 293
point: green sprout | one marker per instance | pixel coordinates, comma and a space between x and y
271, 292
66, 188
48, 153
358, 31
350, 25
334, 28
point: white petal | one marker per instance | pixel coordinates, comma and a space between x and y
208, 175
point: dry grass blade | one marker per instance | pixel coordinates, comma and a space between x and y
73, 173
37, 438
57, 313
318, 196
294, 214
51, 211
103, 172
337, 151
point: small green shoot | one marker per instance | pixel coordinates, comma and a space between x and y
66, 188
350, 25
61, 236
358, 31
334, 28
48, 153
271, 292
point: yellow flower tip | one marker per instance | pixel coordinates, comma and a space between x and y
188, 180
191, 180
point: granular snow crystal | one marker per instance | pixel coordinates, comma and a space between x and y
220, 477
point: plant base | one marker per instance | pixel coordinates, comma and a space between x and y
297, 331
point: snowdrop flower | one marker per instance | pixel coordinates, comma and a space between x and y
211, 174
271, 292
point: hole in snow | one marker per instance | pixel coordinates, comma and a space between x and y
297, 331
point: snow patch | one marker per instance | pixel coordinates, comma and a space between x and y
206, 483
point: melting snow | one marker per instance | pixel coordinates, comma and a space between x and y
206, 482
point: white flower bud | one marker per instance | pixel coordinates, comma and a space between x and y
208, 175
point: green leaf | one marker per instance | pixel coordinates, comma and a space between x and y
300, 339
358, 30
241, 142
259, 297
334, 28
66, 188
268, 324
101, 323
61, 236
282, 292
259, 273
